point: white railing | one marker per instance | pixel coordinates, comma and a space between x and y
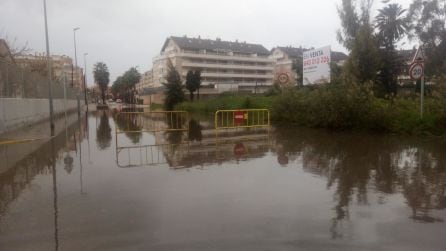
227, 66
234, 75
228, 57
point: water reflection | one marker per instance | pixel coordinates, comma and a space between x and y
68, 161
174, 137
198, 146
103, 132
194, 132
356, 163
130, 124
55, 205
258, 169
41, 161
424, 186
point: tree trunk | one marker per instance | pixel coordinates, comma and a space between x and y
191, 96
103, 95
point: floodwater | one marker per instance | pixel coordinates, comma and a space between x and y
286, 188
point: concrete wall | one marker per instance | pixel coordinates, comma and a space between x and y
157, 98
18, 112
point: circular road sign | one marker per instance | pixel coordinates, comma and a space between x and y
283, 78
239, 150
416, 71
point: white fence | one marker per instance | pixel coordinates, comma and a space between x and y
19, 112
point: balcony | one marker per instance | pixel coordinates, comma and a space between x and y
228, 66
246, 58
233, 75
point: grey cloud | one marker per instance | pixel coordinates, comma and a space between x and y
125, 33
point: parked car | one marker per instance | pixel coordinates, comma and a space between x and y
118, 101
110, 100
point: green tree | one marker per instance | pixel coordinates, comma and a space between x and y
391, 24
349, 24
101, 77
117, 87
392, 27
190, 84
131, 76
174, 90
428, 25
124, 85
357, 35
298, 68
197, 82
129, 79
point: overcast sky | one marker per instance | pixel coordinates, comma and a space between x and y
126, 33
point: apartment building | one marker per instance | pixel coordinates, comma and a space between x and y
146, 81
62, 66
146, 87
224, 65
283, 67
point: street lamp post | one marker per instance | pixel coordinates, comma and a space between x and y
85, 79
50, 92
75, 59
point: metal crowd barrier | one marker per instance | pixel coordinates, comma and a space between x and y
242, 118
154, 121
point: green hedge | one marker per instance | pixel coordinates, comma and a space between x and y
342, 107
227, 103
338, 107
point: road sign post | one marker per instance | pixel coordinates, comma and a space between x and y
416, 72
422, 97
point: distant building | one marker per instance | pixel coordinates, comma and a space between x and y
224, 65
146, 81
284, 58
62, 66
146, 88
406, 56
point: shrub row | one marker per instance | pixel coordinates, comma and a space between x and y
342, 107
225, 102
338, 107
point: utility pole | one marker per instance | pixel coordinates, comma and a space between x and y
422, 97
422, 82
48, 58
75, 52
417, 72
75, 63
85, 79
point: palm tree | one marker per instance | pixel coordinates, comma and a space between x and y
391, 24
101, 77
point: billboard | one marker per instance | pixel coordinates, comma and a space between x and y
316, 66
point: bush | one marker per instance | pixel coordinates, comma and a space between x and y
347, 107
329, 106
225, 102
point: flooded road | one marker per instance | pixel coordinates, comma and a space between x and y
287, 188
